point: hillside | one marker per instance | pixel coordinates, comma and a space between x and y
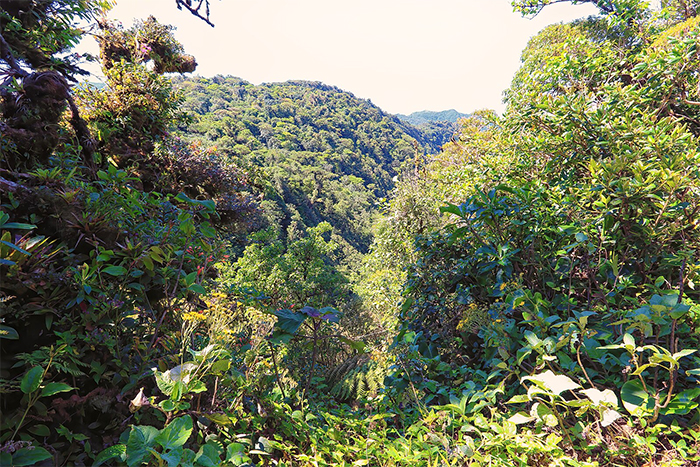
322, 153
173, 291
428, 116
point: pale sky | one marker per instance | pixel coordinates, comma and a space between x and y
403, 55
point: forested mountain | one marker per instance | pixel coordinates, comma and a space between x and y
426, 116
171, 293
322, 153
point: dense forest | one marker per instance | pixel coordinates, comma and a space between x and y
321, 154
201, 271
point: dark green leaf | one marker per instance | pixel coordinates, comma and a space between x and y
6, 332
173, 456
115, 270
112, 452
40, 430
209, 455
30, 456
32, 380
54, 388
288, 320
141, 439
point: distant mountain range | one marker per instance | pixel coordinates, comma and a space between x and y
428, 116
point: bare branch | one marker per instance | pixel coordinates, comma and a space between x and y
187, 5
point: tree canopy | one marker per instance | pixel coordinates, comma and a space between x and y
200, 271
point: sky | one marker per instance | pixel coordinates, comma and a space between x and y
403, 55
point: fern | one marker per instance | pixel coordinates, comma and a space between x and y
359, 377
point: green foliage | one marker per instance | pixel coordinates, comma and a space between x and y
576, 242
321, 153
39, 33
103, 255
358, 378
550, 260
301, 275
148, 445
426, 116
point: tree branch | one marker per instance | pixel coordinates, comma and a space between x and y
187, 5
6, 55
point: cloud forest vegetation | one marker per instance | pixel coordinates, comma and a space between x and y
201, 271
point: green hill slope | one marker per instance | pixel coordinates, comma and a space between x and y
428, 116
322, 154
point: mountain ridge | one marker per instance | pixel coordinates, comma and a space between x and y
322, 153
427, 116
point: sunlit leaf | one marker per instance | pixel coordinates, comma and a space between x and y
555, 384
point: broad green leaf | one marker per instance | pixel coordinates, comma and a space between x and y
220, 366
542, 412
635, 399
179, 390
235, 453
40, 430
112, 452
683, 353
167, 405
115, 270
683, 403
665, 301
196, 386
451, 209
30, 455
176, 433
220, 419
209, 455
206, 352
141, 440
173, 456
188, 456
601, 397
183, 198
532, 339
519, 399
190, 278
288, 320
32, 380
54, 388
207, 230
198, 289
556, 384
165, 382
520, 418
279, 337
